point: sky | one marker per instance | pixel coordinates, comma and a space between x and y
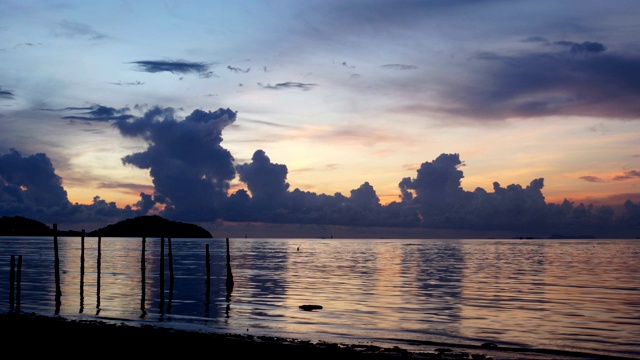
141, 105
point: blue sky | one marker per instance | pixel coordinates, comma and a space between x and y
340, 93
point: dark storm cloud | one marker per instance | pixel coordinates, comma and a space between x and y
434, 199
266, 181
174, 67
191, 171
74, 29
583, 79
399, 67
98, 113
437, 182
288, 85
365, 197
6, 94
191, 174
30, 187
30, 182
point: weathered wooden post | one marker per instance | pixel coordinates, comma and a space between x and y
229, 281
18, 282
82, 253
12, 282
57, 268
98, 275
82, 272
170, 276
143, 271
161, 305
208, 281
170, 266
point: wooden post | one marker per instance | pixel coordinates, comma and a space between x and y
12, 282
82, 253
143, 271
161, 305
98, 275
170, 276
57, 268
170, 265
82, 272
18, 282
229, 281
208, 266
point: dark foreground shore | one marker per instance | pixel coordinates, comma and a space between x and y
28, 334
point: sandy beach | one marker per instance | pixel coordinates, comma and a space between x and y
29, 335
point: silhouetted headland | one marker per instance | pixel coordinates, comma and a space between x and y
142, 226
151, 226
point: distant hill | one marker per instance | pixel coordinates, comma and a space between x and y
143, 226
151, 226
21, 226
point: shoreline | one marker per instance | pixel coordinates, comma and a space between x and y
47, 334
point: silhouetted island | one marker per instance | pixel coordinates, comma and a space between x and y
22, 226
151, 226
142, 226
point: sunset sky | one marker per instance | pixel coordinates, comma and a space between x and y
341, 92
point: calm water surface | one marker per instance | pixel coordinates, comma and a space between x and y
579, 295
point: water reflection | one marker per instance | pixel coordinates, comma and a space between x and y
555, 287
580, 295
127, 272
503, 289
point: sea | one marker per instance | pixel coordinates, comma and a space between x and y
577, 295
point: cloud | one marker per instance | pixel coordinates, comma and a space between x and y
174, 67
628, 175
6, 94
266, 181
98, 113
30, 187
133, 83
190, 169
191, 174
436, 183
288, 85
27, 44
365, 197
590, 178
632, 174
344, 63
268, 123
586, 47
122, 185
399, 67
582, 79
30, 182
238, 70
72, 29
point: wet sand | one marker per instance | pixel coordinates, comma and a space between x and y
32, 335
